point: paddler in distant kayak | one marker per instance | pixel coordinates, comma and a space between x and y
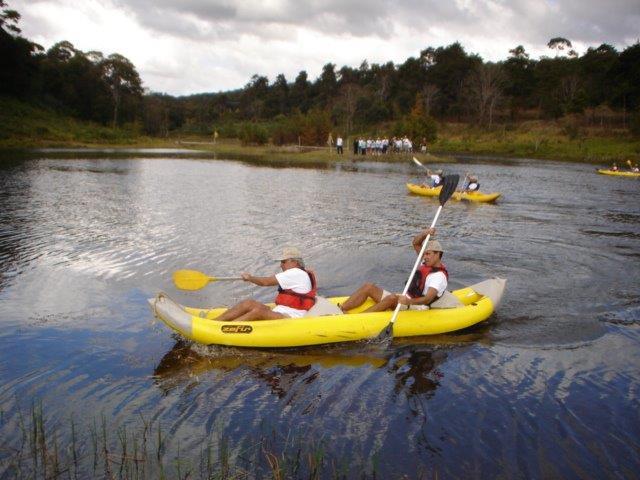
434, 178
296, 292
471, 183
429, 283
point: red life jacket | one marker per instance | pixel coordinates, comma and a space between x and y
420, 279
299, 301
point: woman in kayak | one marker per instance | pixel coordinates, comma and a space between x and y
429, 283
296, 292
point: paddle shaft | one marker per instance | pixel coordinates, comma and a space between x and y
417, 162
222, 279
415, 266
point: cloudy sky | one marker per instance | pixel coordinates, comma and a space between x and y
194, 46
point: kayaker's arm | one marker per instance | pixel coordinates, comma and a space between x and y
419, 238
431, 295
260, 281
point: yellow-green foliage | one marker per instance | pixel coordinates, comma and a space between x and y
547, 139
24, 125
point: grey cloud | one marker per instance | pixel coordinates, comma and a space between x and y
357, 17
530, 21
208, 31
587, 21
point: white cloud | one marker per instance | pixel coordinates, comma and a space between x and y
196, 46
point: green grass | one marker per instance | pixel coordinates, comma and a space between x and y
25, 126
41, 448
548, 140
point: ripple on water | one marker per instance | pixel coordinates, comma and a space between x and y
548, 387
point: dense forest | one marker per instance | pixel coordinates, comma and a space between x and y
600, 88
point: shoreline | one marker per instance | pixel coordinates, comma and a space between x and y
26, 127
276, 154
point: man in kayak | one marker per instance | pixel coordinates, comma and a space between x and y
296, 292
429, 283
434, 179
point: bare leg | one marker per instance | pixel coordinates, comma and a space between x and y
387, 303
368, 290
249, 310
261, 312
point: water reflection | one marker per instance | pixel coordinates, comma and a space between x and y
187, 362
415, 371
84, 241
411, 361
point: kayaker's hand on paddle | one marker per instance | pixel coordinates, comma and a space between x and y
403, 299
419, 238
246, 276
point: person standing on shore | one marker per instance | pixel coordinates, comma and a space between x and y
339, 145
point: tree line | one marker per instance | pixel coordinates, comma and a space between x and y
602, 86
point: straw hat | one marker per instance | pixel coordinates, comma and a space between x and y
287, 253
434, 246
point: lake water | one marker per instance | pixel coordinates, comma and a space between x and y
92, 385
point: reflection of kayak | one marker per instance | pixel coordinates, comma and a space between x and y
471, 196
289, 370
474, 304
606, 171
198, 359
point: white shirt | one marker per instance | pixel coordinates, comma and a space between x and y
297, 280
437, 280
339, 142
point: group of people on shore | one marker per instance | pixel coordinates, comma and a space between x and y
297, 287
381, 146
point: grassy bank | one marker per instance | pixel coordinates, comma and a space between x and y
25, 126
560, 140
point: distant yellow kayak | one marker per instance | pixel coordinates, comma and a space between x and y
606, 171
471, 196
462, 308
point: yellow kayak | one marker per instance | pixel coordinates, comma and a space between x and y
606, 171
471, 196
456, 310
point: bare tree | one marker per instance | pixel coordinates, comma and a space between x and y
430, 93
349, 94
483, 88
569, 87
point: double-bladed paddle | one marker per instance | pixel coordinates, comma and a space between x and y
448, 187
417, 162
194, 280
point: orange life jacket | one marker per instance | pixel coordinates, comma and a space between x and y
420, 279
299, 301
